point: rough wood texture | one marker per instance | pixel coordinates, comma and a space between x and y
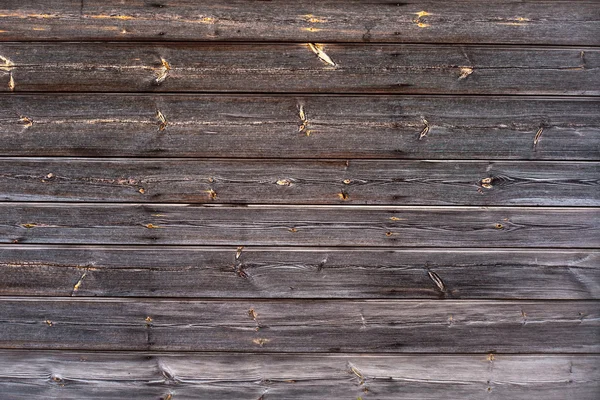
270, 126
300, 68
150, 375
396, 326
39, 223
301, 182
298, 273
500, 21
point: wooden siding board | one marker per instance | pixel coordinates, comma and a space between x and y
524, 22
280, 68
396, 326
460, 127
181, 224
95, 375
301, 182
299, 273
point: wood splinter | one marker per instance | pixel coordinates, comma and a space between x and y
318, 50
537, 137
162, 119
163, 72
425, 130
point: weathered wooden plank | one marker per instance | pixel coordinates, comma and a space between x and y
301, 68
181, 224
301, 182
397, 326
541, 22
266, 126
91, 375
31, 270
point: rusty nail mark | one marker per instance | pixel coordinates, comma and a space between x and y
537, 137
318, 50
162, 119
425, 130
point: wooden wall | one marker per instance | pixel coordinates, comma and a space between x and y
310, 199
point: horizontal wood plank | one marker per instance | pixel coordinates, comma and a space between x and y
301, 182
541, 22
408, 127
26, 375
299, 68
181, 224
397, 326
31, 270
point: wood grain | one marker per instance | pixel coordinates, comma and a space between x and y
301, 182
245, 126
76, 375
539, 22
396, 326
88, 223
299, 68
29, 270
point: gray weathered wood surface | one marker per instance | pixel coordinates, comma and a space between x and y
381, 326
501, 21
298, 272
218, 199
152, 375
301, 182
459, 127
280, 68
197, 224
